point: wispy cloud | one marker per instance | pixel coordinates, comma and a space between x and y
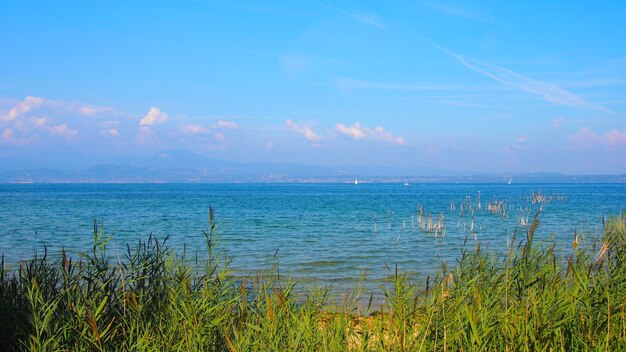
89, 110
226, 125
194, 129
358, 132
369, 19
153, 116
303, 130
547, 91
454, 10
345, 83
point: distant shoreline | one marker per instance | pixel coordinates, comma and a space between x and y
362, 182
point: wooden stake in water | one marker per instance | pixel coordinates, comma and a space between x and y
420, 217
375, 223
430, 222
472, 227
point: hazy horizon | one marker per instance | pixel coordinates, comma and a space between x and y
458, 86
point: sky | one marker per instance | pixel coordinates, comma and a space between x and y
489, 86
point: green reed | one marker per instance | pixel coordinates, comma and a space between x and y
533, 297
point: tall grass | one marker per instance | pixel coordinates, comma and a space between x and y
531, 298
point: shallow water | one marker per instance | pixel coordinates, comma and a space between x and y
323, 233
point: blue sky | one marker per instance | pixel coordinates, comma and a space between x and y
466, 86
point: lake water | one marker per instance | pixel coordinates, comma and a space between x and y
323, 233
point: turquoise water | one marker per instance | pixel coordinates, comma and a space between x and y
323, 233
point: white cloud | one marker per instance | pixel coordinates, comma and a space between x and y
21, 108
303, 130
614, 138
382, 135
26, 119
63, 130
226, 125
153, 116
194, 129
113, 132
55, 107
355, 131
358, 132
7, 135
586, 138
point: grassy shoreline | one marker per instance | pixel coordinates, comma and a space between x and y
531, 298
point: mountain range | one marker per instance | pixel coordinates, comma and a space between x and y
184, 166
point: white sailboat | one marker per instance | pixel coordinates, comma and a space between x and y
356, 181
510, 180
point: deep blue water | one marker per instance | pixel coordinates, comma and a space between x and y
325, 233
